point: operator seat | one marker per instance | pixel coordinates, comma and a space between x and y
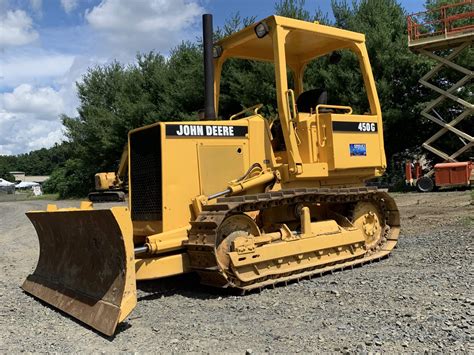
308, 100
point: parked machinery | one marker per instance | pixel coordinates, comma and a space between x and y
111, 186
443, 35
227, 199
444, 175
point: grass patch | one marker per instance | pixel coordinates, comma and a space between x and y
467, 221
45, 197
27, 197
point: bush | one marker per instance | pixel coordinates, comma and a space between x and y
71, 180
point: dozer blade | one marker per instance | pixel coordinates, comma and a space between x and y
86, 264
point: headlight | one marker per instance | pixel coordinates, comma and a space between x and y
217, 51
261, 30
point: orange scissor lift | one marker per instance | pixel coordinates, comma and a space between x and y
443, 35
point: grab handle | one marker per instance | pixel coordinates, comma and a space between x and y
322, 141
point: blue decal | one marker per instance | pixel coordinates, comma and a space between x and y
358, 150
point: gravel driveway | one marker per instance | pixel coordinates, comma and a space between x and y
420, 299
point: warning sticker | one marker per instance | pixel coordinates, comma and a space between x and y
358, 150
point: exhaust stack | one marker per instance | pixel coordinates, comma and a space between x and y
207, 33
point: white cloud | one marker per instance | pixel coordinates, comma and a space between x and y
30, 114
37, 7
16, 29
36, 67
21, 134
69, 5
30, 118
141, 25
37, 81
44, 103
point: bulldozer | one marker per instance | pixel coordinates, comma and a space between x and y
111, 186
243, 202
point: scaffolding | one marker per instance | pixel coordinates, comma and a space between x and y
442, 35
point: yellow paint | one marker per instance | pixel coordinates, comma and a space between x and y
214, 173
152, 268
295, 254
167, 241
105, 181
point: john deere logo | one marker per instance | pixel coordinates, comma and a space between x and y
188, 130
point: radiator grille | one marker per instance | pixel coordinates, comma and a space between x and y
145, 175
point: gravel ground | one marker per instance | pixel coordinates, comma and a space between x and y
420, 299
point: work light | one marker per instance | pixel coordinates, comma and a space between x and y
217, 51
261, 30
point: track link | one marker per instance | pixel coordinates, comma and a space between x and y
204, 231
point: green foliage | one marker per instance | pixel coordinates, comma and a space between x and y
240, 87
69, 180
244, 83
296, 9
114, 99
185, 96
233, 24
434, 16
37, 162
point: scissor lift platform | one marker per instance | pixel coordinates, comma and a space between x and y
442, 35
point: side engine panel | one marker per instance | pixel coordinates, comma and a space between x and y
172, 163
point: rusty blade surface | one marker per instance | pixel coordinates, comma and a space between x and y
85, 267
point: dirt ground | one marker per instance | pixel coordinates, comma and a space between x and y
420, 299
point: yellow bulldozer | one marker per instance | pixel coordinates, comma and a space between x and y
111, 186
243, 202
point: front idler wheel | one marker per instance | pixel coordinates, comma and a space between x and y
368, 219
234, 226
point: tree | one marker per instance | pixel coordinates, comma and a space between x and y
7, 164
434, 13
296, 9
186, 75
38, 162
69, 180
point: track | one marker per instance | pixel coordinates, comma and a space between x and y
204, 234
106, 196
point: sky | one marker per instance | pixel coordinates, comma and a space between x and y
47, 45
